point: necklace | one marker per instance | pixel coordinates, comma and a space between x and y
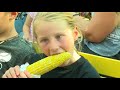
1, 42
8, 39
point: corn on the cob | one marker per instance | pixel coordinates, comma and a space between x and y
47, 64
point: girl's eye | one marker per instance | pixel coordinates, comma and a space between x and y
43, 40
58, 36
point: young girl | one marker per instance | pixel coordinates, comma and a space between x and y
56, 33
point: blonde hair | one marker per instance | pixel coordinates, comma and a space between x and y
118, 19
57, 16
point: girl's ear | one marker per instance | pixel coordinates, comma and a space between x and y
13, 15
75, 33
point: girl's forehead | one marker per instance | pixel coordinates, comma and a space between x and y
44, 25
51, 30
49, 33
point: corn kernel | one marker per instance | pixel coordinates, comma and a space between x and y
47, 64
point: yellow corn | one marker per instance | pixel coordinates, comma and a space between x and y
47, 64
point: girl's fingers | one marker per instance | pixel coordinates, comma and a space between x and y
22, 75
7, 74
4, 76
28, 74
12, 72
17, 70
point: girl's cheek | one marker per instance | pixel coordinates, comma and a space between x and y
66, 45
45, 50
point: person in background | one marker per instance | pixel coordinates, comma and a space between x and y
13, 48
27, 27
102, 35
19, 22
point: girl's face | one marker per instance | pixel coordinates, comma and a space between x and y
55, 37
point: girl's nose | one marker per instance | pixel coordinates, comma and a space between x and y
54, 47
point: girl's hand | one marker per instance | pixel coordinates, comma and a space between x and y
14, 72
25, 74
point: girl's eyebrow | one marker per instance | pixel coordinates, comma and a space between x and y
59, 33
43, 37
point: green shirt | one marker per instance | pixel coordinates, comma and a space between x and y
14, 52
